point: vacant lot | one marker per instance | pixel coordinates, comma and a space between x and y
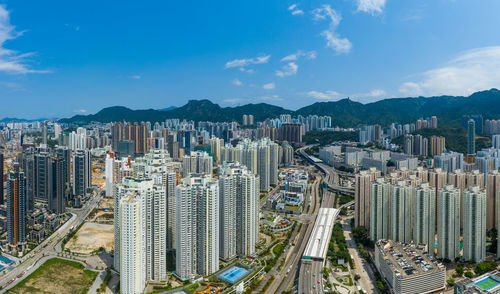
90, 237
57, 276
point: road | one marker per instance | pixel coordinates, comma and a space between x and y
367, 278
28, 263
311, 277
286, 277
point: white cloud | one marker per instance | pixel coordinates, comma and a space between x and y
247, 70
295, 11
333, 40
298, 54
469, 72
11, 61
237, 82
372, 7
80, 111
136, 77
376, 93
327, 95
243, 63
334, 95
340, 45
289, 69
269, 86
232, 100
411, 89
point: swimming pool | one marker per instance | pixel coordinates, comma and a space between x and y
487, 283
5, 260
233, 274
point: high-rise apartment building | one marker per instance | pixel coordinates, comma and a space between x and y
290, 132
475, 178
171, 183
137, 187
492, 189
239, 192
438, 144
448, 222
109, 170
380, 194
16, 208
471, 137
197, 162
362, 196
1, 180
197, 250
474, 233
457, 179
82, 178
400, 212
132, 244
424, 222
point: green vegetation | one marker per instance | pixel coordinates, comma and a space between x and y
450, 282
360, 235
456, 138
104, 284
344, 199
469, 275
268, 284
192, 287
70, 235
278, 249
197, 110
460, 270
337, 248
492, 235
57, 276
345, 112
484, 267
327, 137
381, 286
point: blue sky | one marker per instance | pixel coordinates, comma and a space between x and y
60, 58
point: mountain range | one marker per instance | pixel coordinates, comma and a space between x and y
344, 113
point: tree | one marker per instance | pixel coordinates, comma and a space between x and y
460, 270
381, 286
450, 282
484, 267
469, 275
493, 234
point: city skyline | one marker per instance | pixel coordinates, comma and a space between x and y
81, 58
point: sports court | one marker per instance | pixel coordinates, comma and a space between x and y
487, 283
233, 275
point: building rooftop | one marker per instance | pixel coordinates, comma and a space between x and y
406, 260
488, 283
317, 245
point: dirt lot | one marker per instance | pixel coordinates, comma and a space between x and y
57, 276
90, 237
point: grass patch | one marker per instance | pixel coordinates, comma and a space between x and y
57, 276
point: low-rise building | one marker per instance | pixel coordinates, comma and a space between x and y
488, 283
409, 268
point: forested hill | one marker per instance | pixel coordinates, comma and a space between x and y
345, 112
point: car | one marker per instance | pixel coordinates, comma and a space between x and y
314, 275
319, 282
314, 287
